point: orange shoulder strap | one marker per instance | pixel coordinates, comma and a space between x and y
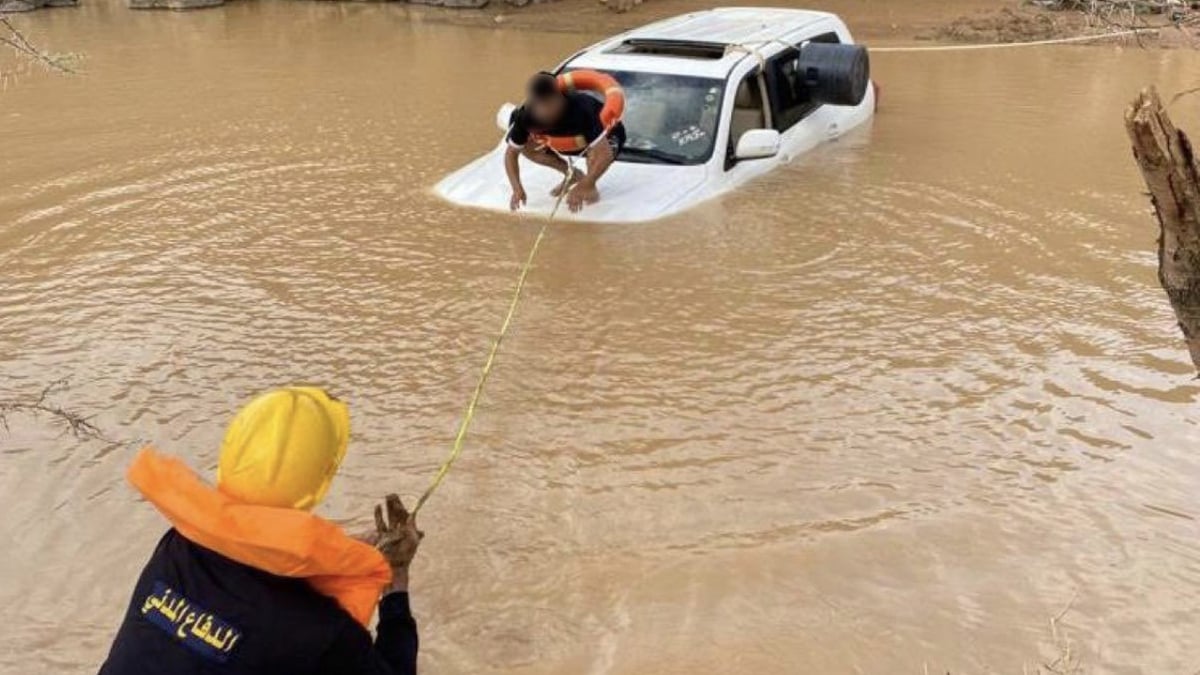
285, 542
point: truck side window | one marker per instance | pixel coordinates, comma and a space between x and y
748, 113
790, 102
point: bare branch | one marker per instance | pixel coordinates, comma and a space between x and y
1120, 15
1182, 94
1108, 8
1067, 661
78, 425
15, 40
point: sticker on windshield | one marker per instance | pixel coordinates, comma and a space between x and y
688, 136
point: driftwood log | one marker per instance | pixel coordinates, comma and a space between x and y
1165, 156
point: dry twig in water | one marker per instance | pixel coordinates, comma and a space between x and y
25, 50
1182, 94
1067, 662
78, 425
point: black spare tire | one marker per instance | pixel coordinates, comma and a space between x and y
835, 74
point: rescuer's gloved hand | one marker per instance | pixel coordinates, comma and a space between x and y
398, 536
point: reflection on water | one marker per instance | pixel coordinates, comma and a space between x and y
892, 406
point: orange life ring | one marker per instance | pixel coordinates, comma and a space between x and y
610, 114
601, 83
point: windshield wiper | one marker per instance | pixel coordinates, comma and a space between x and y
655, 156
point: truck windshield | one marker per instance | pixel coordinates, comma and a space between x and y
669, 119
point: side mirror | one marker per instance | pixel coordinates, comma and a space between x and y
758, 144
504, 115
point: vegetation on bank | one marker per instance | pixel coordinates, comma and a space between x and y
1174, 23
1163, 22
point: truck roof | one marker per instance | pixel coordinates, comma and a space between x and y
730, 25
697, 43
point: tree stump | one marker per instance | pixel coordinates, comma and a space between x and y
1168, 164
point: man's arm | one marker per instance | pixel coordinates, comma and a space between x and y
396, 637
599, 158
516, 138
512, 167
394, 651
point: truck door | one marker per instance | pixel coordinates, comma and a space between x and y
749, 112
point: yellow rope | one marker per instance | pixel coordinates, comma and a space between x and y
753, 48
486, 371
1010, 45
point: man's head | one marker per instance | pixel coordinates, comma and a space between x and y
284, 448
545, 101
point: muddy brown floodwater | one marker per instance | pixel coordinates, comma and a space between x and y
893, 406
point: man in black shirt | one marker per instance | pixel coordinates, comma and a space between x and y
554, 123
248, 581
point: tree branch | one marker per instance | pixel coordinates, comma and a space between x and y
80, 426
16, 41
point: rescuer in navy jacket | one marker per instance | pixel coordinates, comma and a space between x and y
248, 581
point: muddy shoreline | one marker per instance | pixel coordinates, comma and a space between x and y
867, 19
948, 21
971, 22
906, 22
951, 21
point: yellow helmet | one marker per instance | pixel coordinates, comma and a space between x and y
284, 447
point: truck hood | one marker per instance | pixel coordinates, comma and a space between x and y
629, 193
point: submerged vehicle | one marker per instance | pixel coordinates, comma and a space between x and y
713, 99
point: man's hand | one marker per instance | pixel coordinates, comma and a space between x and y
583, 192
518, 198
398, 539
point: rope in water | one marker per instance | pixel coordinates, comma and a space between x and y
1009, 45
753, 48
485, 372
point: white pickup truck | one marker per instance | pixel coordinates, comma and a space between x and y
714, 98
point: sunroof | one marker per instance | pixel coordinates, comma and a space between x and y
678, 48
